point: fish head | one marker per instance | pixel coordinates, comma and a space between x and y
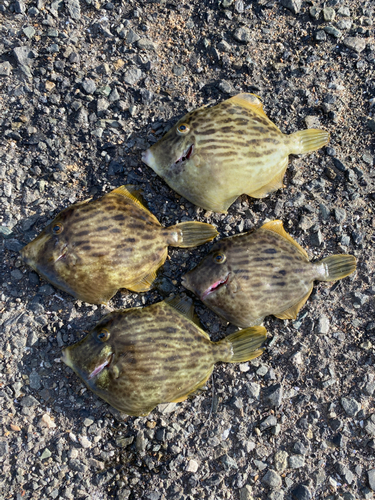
94, 357
177, 150
53, 253
216, 275
50, 249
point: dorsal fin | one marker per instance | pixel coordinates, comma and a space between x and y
130, 192
185, 306
277, 227
250, 101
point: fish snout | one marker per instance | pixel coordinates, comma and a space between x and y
148, 158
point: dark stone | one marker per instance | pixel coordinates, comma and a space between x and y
301, 493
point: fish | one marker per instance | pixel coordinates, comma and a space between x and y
137, 358
94, 248
211, 156
249, 276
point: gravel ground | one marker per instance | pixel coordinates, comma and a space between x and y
85, 88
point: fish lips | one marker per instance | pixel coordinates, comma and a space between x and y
98, 368
213, 288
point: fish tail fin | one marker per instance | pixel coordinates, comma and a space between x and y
191, 234
336, 267
245, 344
305, 141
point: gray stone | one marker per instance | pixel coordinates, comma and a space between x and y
29, 32
323, 325
329, 13
292, 5
331, 30
74, 8
351, 406
23, 55
268, 422
281, 460
246, 493
355, 43
344, 11
242, 35
29, 401
276, 495
4, 449
320, 36
340, 215
224, 46
132, 76
89, 86
316, 238
132, 37
141, 441
296, 461
371, 479
344, 24
5, 68
273, 395
272, 479
369, 425
34, 380
239, 6
253, 389
146, 44
77, 465
260, 465
178, 69
19, 7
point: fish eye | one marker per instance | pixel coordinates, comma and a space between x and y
57, 228
103, 335
219, 258
183, 129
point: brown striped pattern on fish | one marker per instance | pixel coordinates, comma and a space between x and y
90, 250
225, 151
249, 276
152, 355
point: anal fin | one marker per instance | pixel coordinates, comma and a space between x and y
195, 389
292, 312
273, 185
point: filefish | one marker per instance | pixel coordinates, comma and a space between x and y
92, 249
252, 275
137, 358
213, 155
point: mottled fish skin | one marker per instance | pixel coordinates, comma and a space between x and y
137, 358
92, 249
252, 275
227, 150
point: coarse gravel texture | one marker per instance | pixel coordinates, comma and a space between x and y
86, 86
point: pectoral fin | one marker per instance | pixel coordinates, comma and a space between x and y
274, 184
277, 227
292, 312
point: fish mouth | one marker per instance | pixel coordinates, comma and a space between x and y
186, 155
63, 253
215, 286
98, 369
